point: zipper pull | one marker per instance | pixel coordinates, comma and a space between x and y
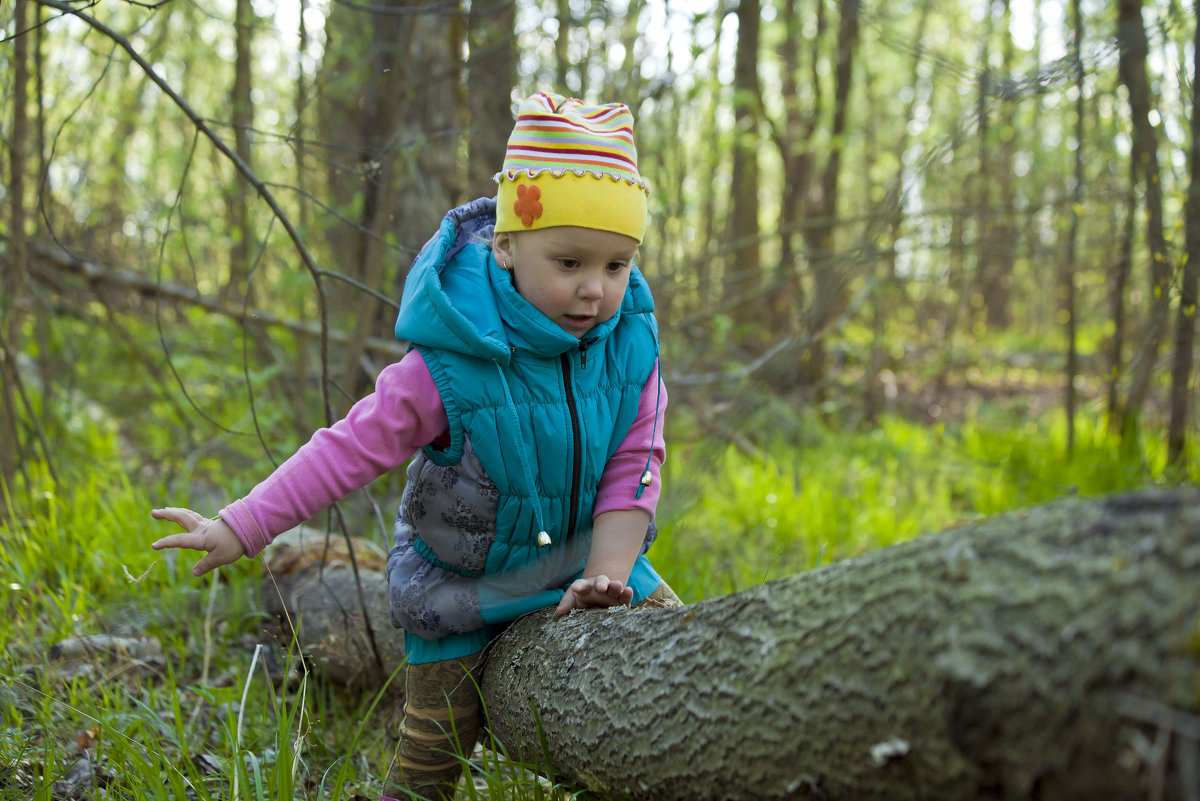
584, 344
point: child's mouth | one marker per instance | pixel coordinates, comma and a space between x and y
579, 320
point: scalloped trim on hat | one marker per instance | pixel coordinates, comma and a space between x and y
513, 175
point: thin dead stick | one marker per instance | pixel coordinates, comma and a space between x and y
237, 743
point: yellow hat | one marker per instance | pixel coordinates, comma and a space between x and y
571, 164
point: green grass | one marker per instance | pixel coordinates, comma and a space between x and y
203, 713
731, 520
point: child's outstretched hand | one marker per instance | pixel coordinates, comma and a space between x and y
200, 534
595, 591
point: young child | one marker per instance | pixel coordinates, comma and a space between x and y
532, 401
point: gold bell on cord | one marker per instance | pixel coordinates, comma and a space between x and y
543, 539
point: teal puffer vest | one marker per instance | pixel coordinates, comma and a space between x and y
543, 427
538, 409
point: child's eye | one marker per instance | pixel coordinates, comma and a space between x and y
616, 266
570, 264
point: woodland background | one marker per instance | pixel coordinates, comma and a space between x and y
914, 262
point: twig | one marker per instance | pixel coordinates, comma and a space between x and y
237, 742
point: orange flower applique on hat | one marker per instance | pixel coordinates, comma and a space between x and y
527, 205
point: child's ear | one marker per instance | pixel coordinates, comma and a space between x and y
502, 249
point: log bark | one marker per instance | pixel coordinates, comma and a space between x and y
1043, 654
1052, 653
334, 603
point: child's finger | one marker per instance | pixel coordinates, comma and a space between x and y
186, 539
567, 603
184, 517
204, 565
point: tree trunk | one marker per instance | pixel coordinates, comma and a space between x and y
243, 120
389, 80
1050, 653
1070, 268
981, 182
1182, 399
1028, 656
829, 280
491, 75
743, 260
1118, 280
562, 42
997, 233
793, 138
1131, 41
889, 289
707, 290
380, 134
12, 286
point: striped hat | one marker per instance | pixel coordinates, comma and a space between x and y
571, 164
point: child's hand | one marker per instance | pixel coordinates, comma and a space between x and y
200, 534
596, 591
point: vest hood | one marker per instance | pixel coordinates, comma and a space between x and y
456, 298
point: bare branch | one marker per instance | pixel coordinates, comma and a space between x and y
54, 258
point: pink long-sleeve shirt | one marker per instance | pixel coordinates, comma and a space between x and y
386, 428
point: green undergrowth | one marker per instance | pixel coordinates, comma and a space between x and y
183, 689
191, 705
731, 519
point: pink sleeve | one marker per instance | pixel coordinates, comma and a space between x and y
380, 433
623, 473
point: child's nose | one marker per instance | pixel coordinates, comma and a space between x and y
592, 288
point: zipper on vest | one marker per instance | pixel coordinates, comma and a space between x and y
584, 344
576, 458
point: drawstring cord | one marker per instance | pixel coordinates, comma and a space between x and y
647, 478
527, 473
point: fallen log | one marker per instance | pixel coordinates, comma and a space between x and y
334, 602
1052, 653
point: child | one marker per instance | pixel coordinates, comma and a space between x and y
532, 400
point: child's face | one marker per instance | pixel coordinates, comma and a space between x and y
575, 276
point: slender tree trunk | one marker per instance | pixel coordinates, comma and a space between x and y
1131, 41
300, 128
1070, 267
16, 267
706, 280
491, 75
1118, 282
743, 270
793, 139
1182, 397
241, 251
562, 56
632, 80
829, 279
1015, 658
43, 323
999, 234
959, 284
888, 286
